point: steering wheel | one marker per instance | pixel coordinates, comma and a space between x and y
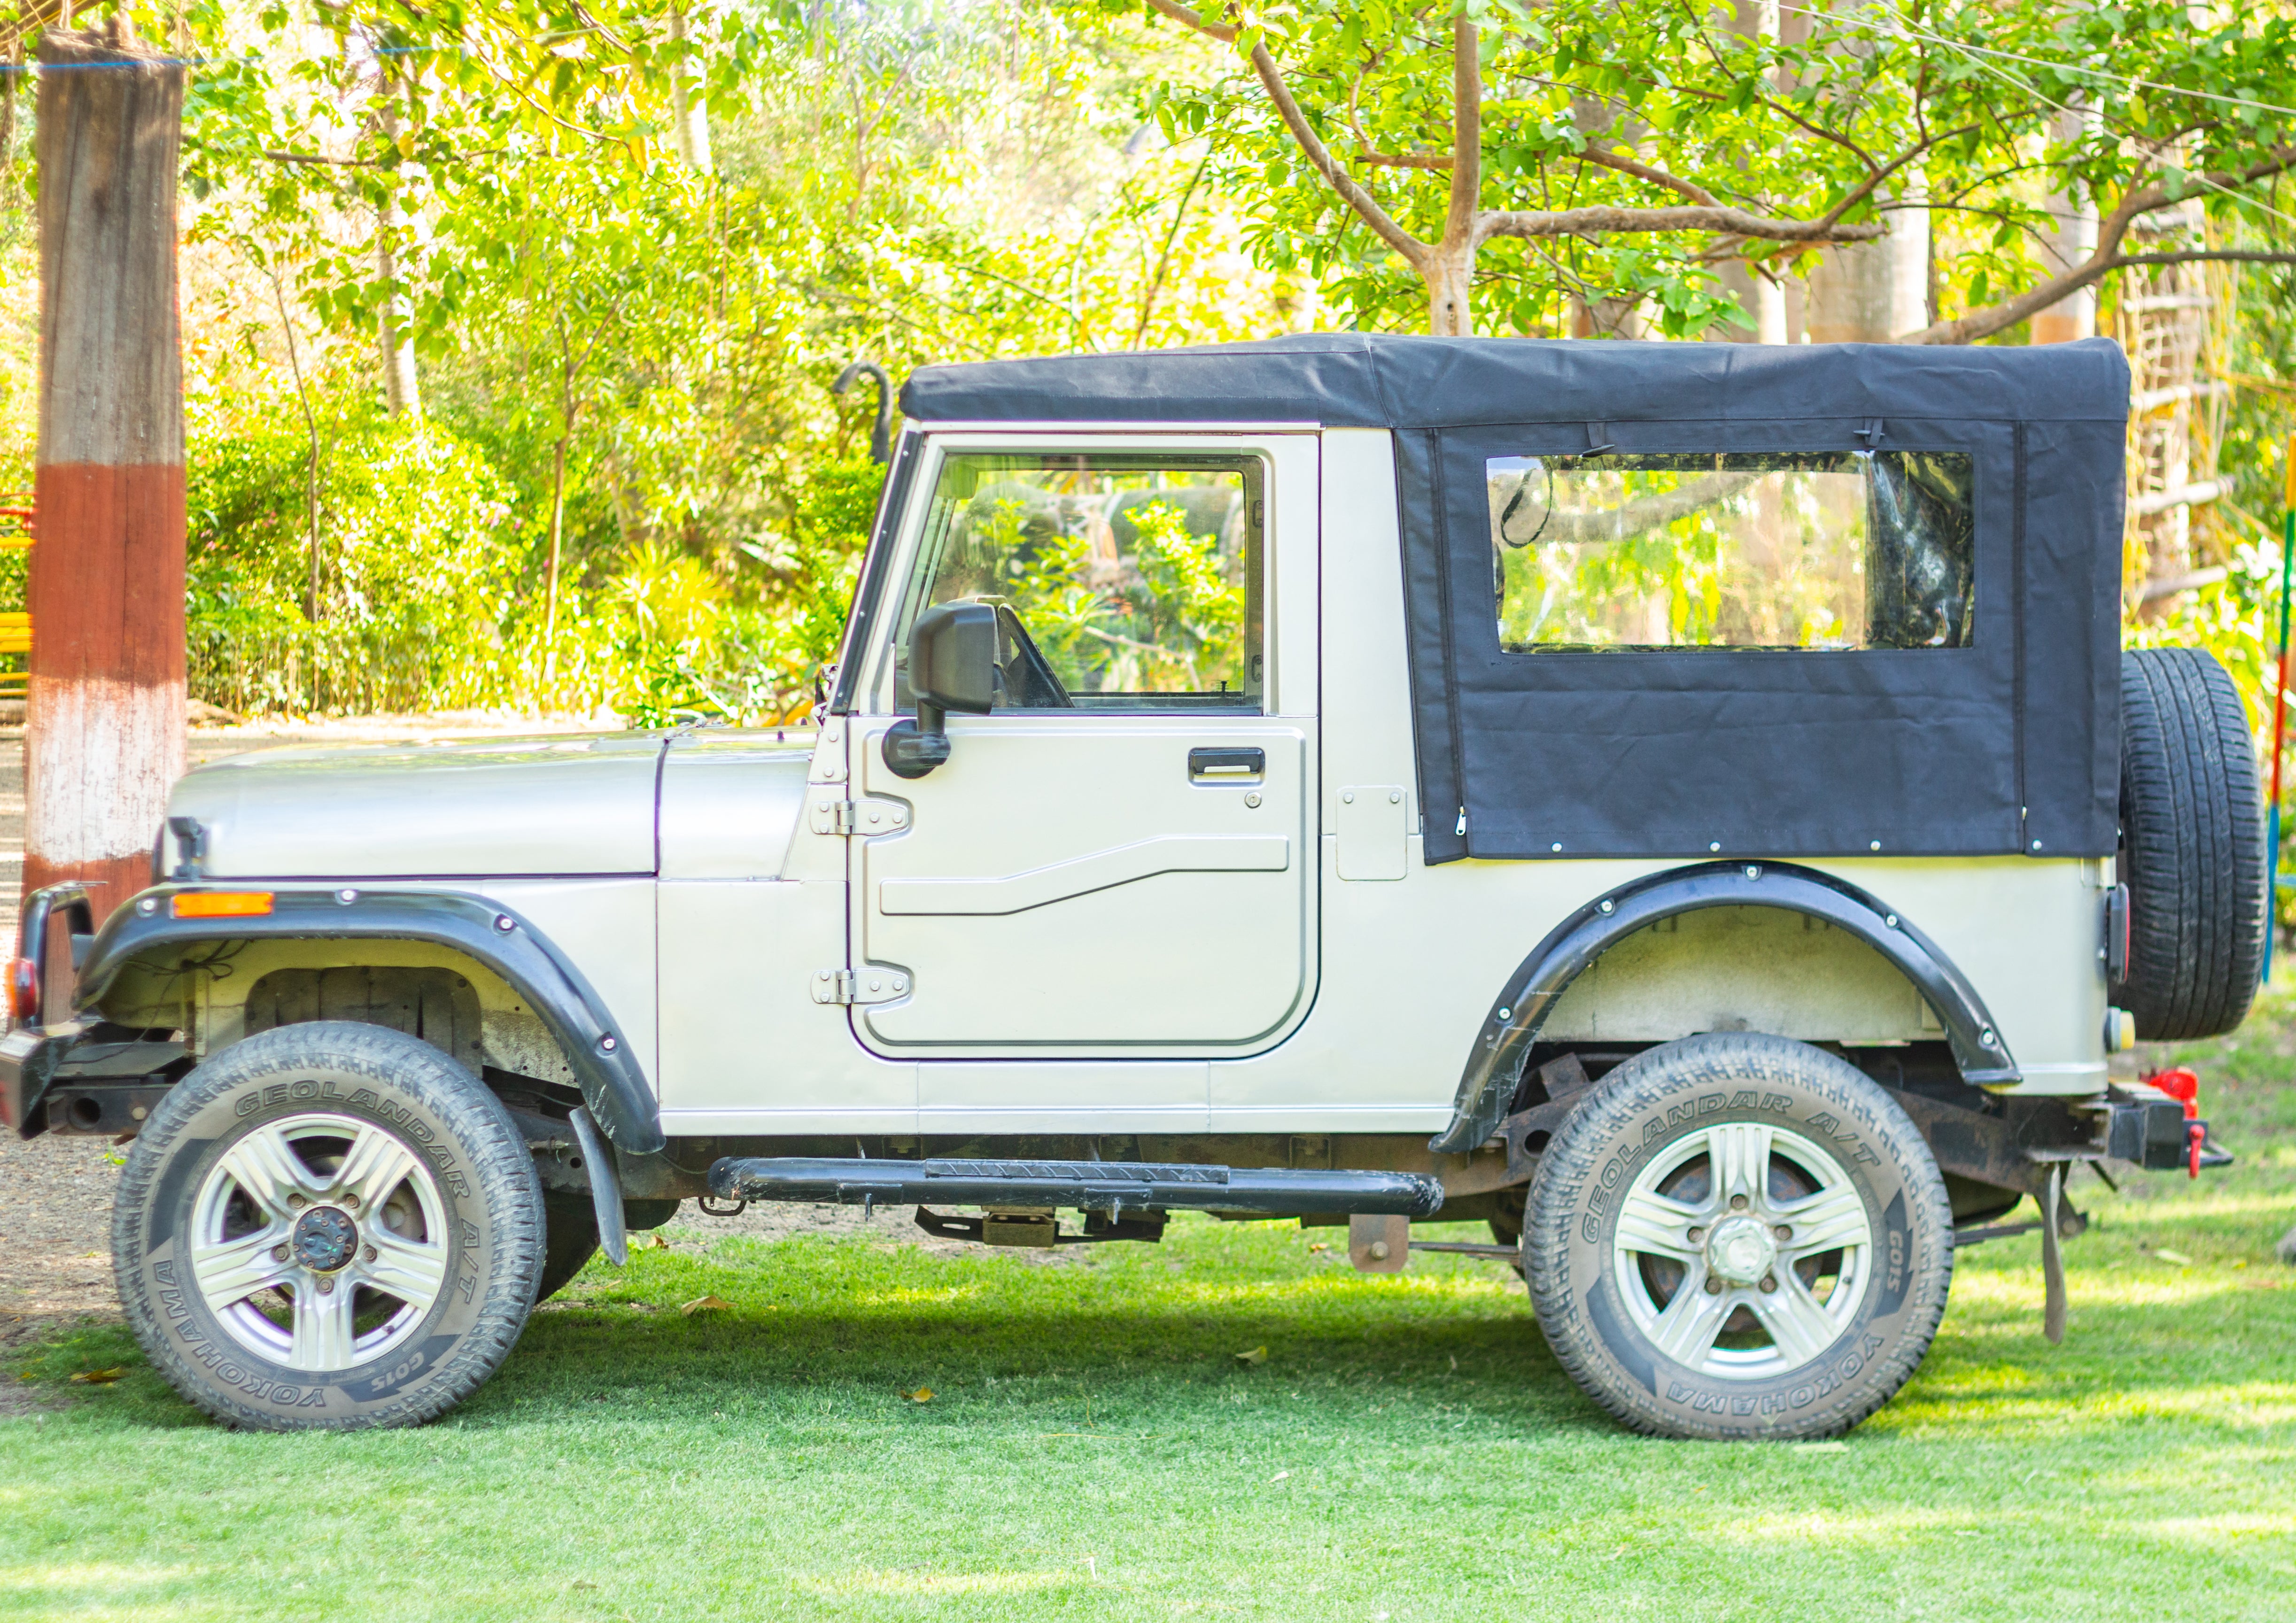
1025, 676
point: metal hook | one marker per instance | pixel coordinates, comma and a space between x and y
881, 437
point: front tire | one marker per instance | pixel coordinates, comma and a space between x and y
1739, 1236
329, 1225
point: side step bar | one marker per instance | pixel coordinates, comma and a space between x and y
1106, 1186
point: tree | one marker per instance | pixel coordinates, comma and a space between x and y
1507, 157
104, 740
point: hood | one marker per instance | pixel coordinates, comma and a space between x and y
488, 808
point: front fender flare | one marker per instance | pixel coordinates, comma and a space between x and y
613, 1081
1495, 1066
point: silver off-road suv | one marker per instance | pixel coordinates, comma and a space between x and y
1684, 805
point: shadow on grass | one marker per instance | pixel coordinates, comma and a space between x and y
816, 1332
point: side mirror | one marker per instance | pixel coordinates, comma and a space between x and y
952, 667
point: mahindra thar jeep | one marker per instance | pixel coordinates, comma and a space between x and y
1684, 805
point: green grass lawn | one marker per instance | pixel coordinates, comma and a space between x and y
1092, 1448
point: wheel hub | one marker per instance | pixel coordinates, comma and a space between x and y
1741, 1251
325, 1239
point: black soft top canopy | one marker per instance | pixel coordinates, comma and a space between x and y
1382, 381
2008, 743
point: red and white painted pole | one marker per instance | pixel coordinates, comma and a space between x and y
103, 740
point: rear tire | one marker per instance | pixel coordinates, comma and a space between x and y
1738, 1236
2191, 846
329, 1225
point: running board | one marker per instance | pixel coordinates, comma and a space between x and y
1107, 1186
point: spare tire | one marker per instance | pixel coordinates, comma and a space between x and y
2191, 845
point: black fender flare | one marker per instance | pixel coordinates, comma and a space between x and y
1495, 1066
613, 1081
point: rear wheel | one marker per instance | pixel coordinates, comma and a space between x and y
1739, 1236
328, 1225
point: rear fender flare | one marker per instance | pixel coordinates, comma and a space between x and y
613, 1082
1495, 1066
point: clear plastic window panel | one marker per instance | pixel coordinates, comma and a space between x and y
1122, 582
1807, 550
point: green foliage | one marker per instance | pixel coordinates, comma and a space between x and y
1168, 618
635, 351
417, 574
1836, 115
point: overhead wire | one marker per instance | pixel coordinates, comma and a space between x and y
2042, 61
2037, 95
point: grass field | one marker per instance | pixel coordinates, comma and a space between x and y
1092, 1448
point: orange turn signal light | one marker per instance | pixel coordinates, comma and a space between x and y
220, 903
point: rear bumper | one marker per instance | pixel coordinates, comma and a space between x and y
30, 1058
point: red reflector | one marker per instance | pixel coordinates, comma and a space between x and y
221, 904
23, 990
2181, 1086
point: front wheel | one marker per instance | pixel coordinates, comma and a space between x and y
326, 1227
1739, 1236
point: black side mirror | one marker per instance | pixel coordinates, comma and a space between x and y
952, 667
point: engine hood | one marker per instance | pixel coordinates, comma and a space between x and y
479, 808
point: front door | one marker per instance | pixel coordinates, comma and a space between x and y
1118, 859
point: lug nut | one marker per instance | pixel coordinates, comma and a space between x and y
350, 1202
278, 1253
297, 1202
1784, 1231
1713, 1285
368, 1253
1696, 1236
327, 1284
1769, 1282
1737, 1202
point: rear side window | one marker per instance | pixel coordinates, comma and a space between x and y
1122, 581
1843, 550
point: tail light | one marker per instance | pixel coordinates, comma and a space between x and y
23, 991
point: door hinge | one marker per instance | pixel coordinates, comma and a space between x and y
826, 814
874, 984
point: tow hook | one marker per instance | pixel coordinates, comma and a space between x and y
2183, 1086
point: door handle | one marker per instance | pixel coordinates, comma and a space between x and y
1227, 764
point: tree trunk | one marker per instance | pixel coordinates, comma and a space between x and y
104, 742
1763, 298
1873, 292
1450, 276
2072, 240
550, 577
689, 115
402, 392
1764, 301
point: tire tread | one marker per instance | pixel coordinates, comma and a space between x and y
2193, 846
500, 1162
